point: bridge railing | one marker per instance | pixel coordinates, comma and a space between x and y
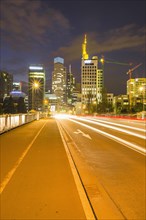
9, 121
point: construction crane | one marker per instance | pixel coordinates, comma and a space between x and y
130, 91
131, 70
103, 60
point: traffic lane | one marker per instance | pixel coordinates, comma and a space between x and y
14, 142
95, 139
131, 138
120, 128
133, 127
114, 164
120, 170
43, 186
136, 123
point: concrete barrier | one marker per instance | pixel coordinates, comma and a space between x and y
9, 121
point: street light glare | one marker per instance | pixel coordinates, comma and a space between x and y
141, 89
61, 116
102, 60
36, 85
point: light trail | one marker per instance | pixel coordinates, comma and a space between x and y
125, 126
132, 146
112, 127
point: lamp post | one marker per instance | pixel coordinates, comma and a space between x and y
35, 86
95, 107
142, 89
46, 106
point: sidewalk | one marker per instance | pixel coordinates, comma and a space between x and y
43, 186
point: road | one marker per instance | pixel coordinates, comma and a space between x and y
37, 181
73, 168
114, 149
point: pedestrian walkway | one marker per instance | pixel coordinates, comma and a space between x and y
43, 185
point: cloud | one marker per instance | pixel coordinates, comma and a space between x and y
129, 37
37, 29
24, 21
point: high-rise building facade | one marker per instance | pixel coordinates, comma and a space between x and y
91, 78
6, 84
59, 81
136, 89
70, 86
36, 87
120, 103
16, 86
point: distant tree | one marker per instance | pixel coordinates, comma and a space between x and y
21, 108
138, 107
1, 105
99, 108
1, 108
89, 103
8, 105
103, 106
109, 107
124, 111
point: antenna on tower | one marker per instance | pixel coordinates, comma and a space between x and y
84, 52
70, 68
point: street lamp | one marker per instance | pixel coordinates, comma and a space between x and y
46, 108
102, 60
142, 91
95, 107
83, 108
35, 86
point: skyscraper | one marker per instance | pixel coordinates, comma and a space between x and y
59, 81
16, 86
36, 87
70, 86
91, 79
136, 89
6, 83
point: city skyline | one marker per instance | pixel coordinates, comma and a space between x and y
34, 32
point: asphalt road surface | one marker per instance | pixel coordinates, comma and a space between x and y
74, 168
114, 149
36, 176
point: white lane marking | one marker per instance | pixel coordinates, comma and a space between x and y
120, 125
12, 171
81, 132
134, 147
112, 127
85, 203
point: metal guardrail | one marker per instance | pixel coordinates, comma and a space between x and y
9, 121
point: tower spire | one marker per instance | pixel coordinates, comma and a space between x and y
84, 52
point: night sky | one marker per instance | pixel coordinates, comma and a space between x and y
34, 32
